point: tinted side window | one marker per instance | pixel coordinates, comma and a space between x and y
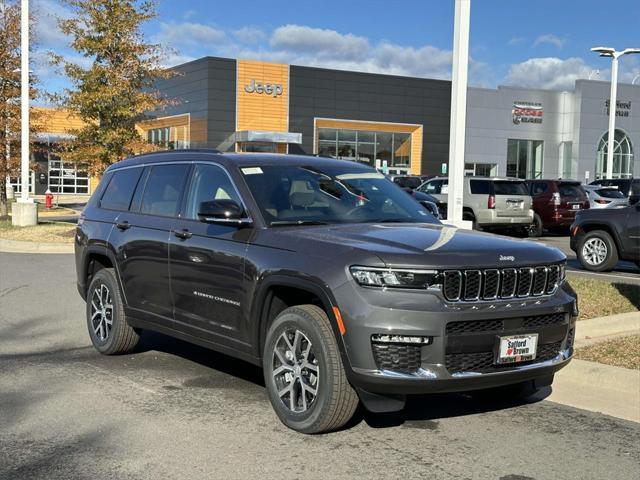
538, 188
571, 190
162, 191
209, 182
510, 188
480, 187
117, 195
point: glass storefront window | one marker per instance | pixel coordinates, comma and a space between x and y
480, 169
622, 156
372, 148
171, 138
524, 158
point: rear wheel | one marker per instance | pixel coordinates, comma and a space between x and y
536, 227
597, 251
470, 217
108, 328
303, 372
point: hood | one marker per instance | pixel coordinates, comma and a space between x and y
417, 245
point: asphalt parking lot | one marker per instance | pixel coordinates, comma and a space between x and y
177, 411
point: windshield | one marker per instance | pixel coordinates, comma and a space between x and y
295, 195
510, 188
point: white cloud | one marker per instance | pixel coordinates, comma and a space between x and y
47, 33
189, 34
550, 39
515, 41
548, 73
250, 35
319, 42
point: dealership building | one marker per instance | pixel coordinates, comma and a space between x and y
392, 122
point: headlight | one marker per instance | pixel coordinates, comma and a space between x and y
394, 278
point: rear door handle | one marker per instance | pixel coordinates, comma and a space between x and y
183, 234
124, 225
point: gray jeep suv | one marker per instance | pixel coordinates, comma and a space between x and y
341, 286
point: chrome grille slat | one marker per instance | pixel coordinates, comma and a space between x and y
500, 284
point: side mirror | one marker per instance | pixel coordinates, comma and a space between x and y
222, 211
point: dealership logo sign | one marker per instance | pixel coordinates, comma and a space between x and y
273, 89
623, 109
527, 112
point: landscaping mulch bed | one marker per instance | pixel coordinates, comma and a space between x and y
50, 232
620, 352
597, 298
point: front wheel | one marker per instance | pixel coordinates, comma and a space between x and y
303, 372
597, 251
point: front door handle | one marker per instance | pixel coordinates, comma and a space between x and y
183, 234
124, 225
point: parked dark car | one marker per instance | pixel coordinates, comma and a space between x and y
337, 283
601, 237
555, 203
630, 187
407, 181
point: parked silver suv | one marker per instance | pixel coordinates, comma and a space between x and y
489, 202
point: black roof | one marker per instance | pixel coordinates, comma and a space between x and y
232, 159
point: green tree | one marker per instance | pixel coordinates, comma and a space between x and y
10, 96
117, 88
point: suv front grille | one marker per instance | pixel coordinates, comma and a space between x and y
483, 362
491, 284
500, 326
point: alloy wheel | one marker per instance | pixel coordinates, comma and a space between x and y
594, 251
101, 312
295, 370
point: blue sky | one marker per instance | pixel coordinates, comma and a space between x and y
543, 43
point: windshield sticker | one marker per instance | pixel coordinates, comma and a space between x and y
252, 170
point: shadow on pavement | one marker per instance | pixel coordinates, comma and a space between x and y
203, 356
423, 411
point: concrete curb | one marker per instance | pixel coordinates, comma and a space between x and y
596, 330
17, 246
599, 388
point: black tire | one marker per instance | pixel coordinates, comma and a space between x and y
335, 401
606, 258
536, 228
470, 217
120, 337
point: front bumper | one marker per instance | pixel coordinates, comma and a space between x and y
440, 369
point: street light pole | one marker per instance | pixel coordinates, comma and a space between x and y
615, 55
458, 110
24, 99
25, 211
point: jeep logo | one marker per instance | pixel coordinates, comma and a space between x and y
273, 89
507, 258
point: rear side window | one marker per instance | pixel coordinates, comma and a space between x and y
510, 188
571, 190
538, 188
163, 190
480, 187
117, 195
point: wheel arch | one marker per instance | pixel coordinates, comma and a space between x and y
278, 292
590, 227
95, 259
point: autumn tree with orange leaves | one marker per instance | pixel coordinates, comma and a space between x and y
116, 88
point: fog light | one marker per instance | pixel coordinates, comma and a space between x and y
383, 338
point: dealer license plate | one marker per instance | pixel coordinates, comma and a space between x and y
517, 348
576, 206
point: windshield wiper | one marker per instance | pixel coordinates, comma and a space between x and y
286, 223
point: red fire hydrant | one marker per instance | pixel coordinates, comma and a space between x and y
48, 199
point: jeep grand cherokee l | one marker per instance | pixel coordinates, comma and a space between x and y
334, 280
